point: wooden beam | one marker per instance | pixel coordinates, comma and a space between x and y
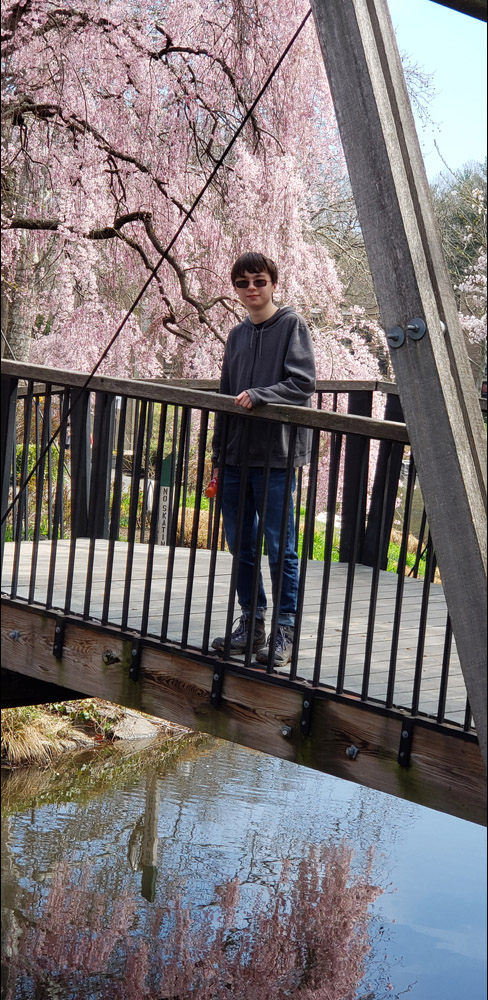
474, 8
265, 713
404, 249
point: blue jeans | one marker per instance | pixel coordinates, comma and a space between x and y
272, 525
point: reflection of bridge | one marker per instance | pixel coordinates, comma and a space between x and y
99, 601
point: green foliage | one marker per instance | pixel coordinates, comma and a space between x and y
88, 712
394, 555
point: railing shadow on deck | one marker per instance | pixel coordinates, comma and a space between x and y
114, 528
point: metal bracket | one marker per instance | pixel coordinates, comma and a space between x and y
58, 644
416, 328
307, 708
217, 684
395, 336
135, 658
405, 742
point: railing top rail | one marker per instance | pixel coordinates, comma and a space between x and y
164, 392
322, 385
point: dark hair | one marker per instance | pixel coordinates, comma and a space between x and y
254, 263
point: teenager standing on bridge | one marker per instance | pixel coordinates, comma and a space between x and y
268, 359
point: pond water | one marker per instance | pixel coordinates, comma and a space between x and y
224, 873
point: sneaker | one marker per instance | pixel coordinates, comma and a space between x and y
283, 647
238, 639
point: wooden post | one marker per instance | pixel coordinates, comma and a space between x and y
411, 281
393, 411
101, 466
360, 403
80, 463
8, 402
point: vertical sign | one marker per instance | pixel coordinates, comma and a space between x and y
164, 500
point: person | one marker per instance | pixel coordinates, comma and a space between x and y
268, 358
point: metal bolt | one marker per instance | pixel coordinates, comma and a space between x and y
416, 328
286, 731
405, 734
214, 695
14, 634
395, 336
306, 704
401, 754
110, 657
58, 628
216, 677
134, 652
352, 752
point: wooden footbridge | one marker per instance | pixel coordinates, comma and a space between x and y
115, 578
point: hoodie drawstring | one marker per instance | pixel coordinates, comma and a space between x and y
259, 334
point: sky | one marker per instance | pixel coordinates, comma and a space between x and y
452, 46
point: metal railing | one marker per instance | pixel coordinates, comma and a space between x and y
114, 525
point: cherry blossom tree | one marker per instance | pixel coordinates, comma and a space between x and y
114, 114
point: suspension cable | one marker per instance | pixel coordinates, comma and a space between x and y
161, 259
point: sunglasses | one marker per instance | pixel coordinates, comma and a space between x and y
256, 282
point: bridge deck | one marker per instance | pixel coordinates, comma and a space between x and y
409, 628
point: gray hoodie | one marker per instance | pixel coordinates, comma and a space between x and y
274, 362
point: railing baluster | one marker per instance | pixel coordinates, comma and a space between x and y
353, 551
101, 455
174, 519
215, 535
39, 491
153, 529
402, 562
420, 552
49, 480
147, 456
80, 417
308, 533
334, 465
8, 451
24, 499
283, 537
185, 482
22, 503
238, 535
114, 529
58, 499
202, 441
446, 656
375, 580
429, 575
133, 508
267, 432
298, 506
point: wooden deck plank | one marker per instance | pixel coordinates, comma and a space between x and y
408, 640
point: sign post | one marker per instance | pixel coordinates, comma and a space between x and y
165, 500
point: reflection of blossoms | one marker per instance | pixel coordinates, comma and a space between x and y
310, 937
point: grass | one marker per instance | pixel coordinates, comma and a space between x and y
39, 734
34, 735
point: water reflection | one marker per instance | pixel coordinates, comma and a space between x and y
142, 850
221, 874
